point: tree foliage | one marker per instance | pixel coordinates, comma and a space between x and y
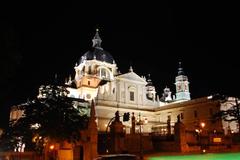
231, 114
50, 116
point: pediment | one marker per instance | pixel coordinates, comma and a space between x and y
131, 76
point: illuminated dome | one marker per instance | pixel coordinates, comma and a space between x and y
97, 52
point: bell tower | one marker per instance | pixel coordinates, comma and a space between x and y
151, 93
182, 85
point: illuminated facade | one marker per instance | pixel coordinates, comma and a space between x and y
97, 77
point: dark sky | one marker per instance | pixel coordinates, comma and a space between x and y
39, 39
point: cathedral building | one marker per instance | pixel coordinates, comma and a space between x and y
115, 95
97, 78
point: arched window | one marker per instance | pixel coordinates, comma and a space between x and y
113, 90
89, 70
103, 73
83, 70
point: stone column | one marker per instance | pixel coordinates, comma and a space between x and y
180, 136
116, 136
169, 127
133, 124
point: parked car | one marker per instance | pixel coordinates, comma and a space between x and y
117, 157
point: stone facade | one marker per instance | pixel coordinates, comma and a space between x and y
97, 77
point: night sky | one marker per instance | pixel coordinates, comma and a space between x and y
41, 39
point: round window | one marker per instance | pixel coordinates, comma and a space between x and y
88, 96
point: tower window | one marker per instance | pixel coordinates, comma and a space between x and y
113, 90
103, 73
89, 70
88, 96
89, 82
131, 96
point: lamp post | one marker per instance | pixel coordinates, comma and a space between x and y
200, 134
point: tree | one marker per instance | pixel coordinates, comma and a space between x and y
230, 114
52, 116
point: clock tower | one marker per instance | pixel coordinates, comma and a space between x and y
182, 85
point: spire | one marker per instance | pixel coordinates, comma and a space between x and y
97, 40
180, 69
92, 125
149, 79
92, 112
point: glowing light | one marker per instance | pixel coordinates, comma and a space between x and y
34, 139
217, 140
204, 150
202, 124
51, 147
35, 126
210, 97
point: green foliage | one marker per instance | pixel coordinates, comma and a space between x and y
51, 116
231, 114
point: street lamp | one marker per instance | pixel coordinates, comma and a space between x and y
199, 131
51, 147
140, 123
52, 152
202, 125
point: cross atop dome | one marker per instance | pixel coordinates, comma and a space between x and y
96, 52
97, 40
